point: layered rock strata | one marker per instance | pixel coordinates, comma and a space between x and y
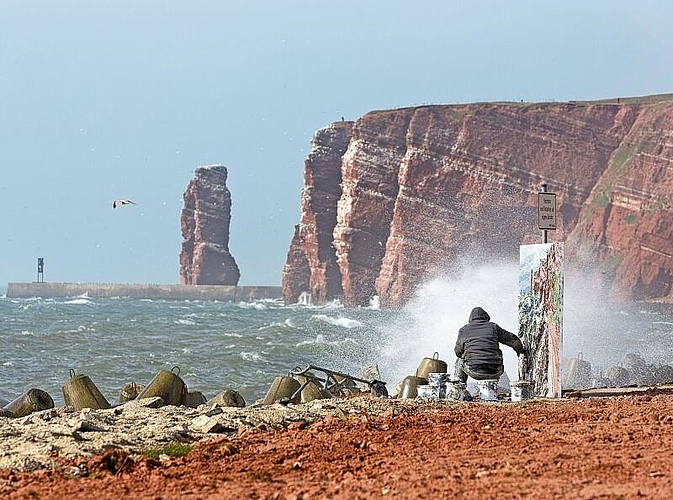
204, 220
420, 190
311, 263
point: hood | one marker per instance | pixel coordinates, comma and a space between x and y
478, 314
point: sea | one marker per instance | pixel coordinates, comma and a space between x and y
243, 346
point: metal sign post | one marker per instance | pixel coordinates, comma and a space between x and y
546, 211
40, 270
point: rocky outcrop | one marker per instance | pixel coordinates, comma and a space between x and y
205, 217
420, 190
311, 263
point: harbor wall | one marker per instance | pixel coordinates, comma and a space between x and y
143, 291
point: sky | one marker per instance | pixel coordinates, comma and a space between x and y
125, 99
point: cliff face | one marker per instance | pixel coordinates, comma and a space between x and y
421, 189
205, 217
311, 263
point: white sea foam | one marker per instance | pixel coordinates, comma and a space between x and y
183, 321
79, 301
334, 304
320, 339
430, 322
341, 321
250, 356
271, 326
252, 305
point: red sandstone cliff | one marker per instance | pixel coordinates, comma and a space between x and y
205, 217
418, 189
311, 263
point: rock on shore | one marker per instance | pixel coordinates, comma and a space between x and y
37, 440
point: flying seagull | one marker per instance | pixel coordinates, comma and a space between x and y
118, 203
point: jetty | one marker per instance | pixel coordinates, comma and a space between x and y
142, 291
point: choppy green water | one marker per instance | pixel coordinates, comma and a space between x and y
244, 346
215, 345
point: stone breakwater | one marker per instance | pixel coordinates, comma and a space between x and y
42, 439
139, 291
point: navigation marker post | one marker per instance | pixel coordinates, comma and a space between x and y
546, 211
40, 270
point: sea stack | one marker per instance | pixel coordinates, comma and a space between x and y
204, 220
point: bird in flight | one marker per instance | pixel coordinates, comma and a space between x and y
118, 203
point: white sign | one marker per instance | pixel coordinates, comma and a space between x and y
546, 210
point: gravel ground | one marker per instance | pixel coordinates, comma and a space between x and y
611, 447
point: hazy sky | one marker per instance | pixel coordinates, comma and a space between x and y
102, 100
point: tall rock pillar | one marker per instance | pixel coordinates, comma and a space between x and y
204, 220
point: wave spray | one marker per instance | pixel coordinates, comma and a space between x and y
429, 322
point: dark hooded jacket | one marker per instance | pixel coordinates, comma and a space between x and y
478, 341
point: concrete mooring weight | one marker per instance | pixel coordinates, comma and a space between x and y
80, 392
27, 403
168, 386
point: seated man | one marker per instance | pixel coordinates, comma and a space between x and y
477, 348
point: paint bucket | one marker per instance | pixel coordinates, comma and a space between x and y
431, 365
430, 391
488, 389
410, 386
166, 385
438, 379
520, 390
27, 403
283, 389
80, 392
455, 390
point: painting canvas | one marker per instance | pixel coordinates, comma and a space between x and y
541, 316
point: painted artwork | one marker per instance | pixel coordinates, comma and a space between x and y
541, 316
